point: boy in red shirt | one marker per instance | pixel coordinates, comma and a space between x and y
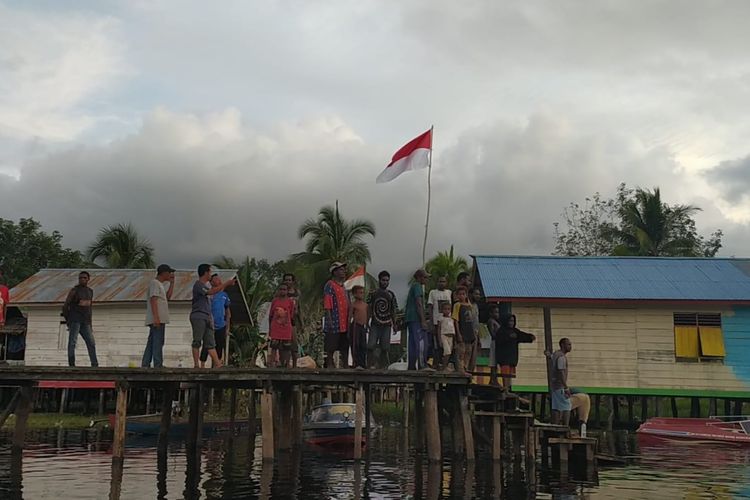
280, 321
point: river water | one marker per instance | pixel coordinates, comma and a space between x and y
61, 464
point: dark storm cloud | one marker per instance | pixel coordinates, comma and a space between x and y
732, 178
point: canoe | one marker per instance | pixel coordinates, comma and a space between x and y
148, 425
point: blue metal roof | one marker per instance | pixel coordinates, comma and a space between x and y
615, 278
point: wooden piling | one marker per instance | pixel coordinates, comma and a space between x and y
252, 413
359, 410
673, 404
631, 416
432, 424
118, 441
457, 426
23, 409
166, 419
10, 408
615, 409
100, 409
266, 410
466, 424
419, 419
497, 438
63, 400
284, 429
597, 412
232, 408
644, 408
695, 407
727, 406
657, 406
712, 407
297, 417
195, 421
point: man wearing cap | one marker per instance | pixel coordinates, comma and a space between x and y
337, 314
416, 322
157, 315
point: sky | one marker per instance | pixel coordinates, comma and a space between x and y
219, 127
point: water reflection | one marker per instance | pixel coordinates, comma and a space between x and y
231, 467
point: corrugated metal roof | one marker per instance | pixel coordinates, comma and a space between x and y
615, 278
109, 285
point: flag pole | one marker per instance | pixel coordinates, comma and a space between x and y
429, 193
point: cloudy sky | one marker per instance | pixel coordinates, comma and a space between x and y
218, 127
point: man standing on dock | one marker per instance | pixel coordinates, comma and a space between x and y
77, 314
416, 322
561, 404
201, 320
382, 310
337, 314
157, 315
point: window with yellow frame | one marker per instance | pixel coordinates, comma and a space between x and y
698, 337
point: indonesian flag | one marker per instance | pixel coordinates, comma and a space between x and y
358, 278
413, 156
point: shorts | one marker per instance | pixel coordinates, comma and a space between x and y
282, 345
560, 402
508, 371
203, 334
446, 342
338, 341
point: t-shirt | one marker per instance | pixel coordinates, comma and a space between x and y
436, 299
336, 301
77, 313
416, 295
447, 327
282, 311
383, 305
201, 307
462, 314
559, 363
156, 289
4, 300
359, 312
219, 304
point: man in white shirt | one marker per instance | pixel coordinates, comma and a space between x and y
157, 315
435, 299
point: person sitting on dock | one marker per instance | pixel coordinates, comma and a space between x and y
336, 326
280, 327
157, 315
358, 327
507, 338
77, 314
201, 319
561, 404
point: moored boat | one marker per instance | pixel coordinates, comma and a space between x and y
734, 430
148, 425
331, 425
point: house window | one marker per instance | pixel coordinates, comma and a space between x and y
698, 337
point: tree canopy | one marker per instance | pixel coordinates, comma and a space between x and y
634, 222
121, 247
446, 263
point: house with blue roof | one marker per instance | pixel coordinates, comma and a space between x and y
639, 325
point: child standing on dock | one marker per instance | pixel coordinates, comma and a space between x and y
280, 327
507, 339
446, 331
465, 339
358, 327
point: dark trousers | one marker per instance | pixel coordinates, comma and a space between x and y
358, 340
88, 336
417, 347
154, 347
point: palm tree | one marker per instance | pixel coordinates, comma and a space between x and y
121, 247
446, 264
652, 228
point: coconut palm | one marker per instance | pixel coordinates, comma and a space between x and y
333, 238
121, 247
446, 264
652, 228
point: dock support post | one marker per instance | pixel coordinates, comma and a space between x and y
252, 415
232, 408
63, 400
368, 409
359, 411
166, 419
419, 418
297, 412
23, 408
615, 409
597, 409
657, 406
100, 409
266, 409
432, 424
457, 427
712, 407
644, 408
195, 423
673, 403
121, 408
10, 408
543, 406
497, 438
630, 410
284, 418
466, 424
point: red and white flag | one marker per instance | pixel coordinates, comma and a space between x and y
358, 278
414, 155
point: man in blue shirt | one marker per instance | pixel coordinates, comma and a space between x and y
416, 323
221, 315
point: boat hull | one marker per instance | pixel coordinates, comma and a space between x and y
693, 431
176, 429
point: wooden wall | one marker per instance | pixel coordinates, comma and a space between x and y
119, 332
628, 347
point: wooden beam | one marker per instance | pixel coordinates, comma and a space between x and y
266, 409
359, 410
432, 424
23, 409
121, 410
